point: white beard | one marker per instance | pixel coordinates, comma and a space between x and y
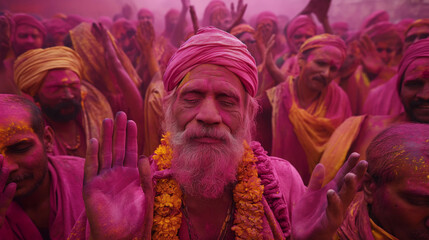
205, 169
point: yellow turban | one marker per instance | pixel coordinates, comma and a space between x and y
30, 68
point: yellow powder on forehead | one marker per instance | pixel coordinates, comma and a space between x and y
13, 128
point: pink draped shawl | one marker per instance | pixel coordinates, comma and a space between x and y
285, 140
66, 203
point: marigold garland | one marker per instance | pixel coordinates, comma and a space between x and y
247, 195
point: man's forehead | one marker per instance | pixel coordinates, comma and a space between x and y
419, 66
26, 28
217, 75
62, 75
13, 116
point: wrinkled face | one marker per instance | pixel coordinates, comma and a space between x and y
208, 126
402, 206
300, 36
23, 150
415, 34
60, 95
213, 96
125, 38
386, 49
415, 90
320, 68
26, 38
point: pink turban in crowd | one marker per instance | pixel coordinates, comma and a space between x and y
375, 17
324, 40
267, 15
212, 46
297, 23
212, 7
419, 49
25, 19
384, 30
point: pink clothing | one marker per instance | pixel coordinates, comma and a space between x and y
332, 108
384, 99
213, 6
212, 46
25, 19
297, 23
375, 17
66, 203
418, 49
283, 188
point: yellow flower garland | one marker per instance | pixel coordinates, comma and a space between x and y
247, 196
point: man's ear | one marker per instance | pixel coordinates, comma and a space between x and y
48, 139
369, 188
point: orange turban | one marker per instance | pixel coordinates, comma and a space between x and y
31, 67
212, 46
324, 40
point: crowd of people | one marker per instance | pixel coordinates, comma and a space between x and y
224, 127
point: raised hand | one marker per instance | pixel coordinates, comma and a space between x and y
371, 61
114, 200
321, 210
7, 191
145, 36
237, 15
319, 7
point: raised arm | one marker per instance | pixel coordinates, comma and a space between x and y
321, 211
116, 205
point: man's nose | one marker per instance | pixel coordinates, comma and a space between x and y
67, 93
424, 93
9, 164
208, 112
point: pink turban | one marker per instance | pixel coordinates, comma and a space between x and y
212, 46
267, 15
299, 22
375, 17
25, 19
324, 40
383, 31
419, 49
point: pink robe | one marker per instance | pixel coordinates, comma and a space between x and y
66, 203
384, 99
286, 144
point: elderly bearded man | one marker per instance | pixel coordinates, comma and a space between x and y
211, 180
73, 108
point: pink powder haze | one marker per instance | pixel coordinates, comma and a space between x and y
351, 11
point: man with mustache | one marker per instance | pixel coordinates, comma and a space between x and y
40, 194
73, 108
210, 180
356, 133
306, 109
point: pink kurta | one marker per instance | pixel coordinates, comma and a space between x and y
66, 203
